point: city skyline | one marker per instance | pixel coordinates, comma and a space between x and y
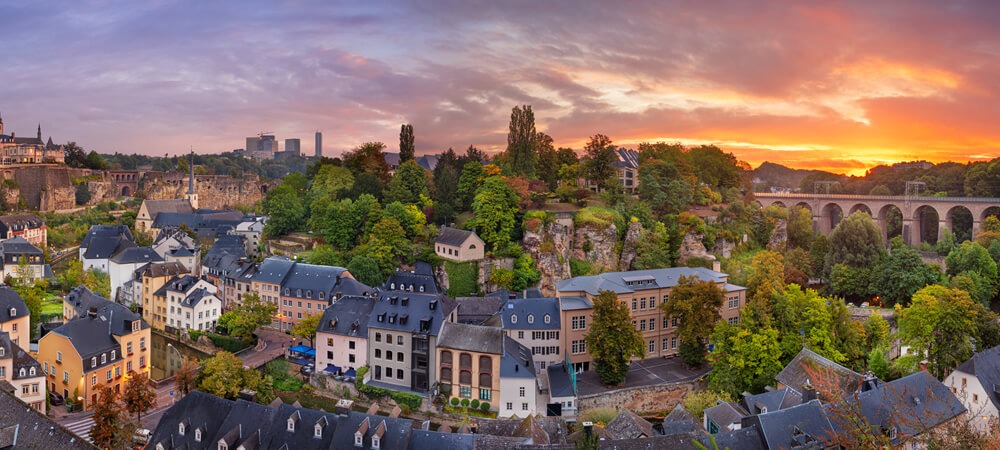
839, 87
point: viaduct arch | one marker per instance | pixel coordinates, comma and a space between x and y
825, 208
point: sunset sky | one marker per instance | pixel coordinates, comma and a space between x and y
836, 85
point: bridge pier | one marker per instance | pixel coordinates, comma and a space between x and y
942, 224
911, 232
977, 226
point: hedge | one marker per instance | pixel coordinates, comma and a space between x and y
227, 343
373, 392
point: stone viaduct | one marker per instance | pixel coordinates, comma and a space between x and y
828, 209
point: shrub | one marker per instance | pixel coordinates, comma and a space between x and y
596, 216
600, 416
462, 278
474, 403
484, 406
579, 267
696, 402
465, 403
454, 401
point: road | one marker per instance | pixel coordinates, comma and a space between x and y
80, 425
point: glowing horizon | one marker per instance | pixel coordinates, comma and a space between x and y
839, 87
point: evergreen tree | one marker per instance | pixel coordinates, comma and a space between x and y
520, 154
406, 147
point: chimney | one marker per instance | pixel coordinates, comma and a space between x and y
923, 365
248, 395
343, 406
717, 266
808, 392
92, 312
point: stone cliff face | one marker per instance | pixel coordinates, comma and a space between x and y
45, 187
549, 245
692, 247
597, 245
632, 237
214, 191
779, 237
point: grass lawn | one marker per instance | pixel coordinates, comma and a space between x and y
52, 305
308, 399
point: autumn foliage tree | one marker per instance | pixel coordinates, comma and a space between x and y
138, 396
108, 420
612, 339
696, 304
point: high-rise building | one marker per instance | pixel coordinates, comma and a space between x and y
319, 144
262, 146
293, 146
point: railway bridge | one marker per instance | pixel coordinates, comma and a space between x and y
828, 209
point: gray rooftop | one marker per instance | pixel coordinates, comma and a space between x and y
134, 255
985, 366
12, 306
516, 361
453, 236
772, 400
808, 364
627, 282
17, 245
560, 381
411, 312
801, 426
574, 303
914, 403
472, 338
273, 270
22, 427
531, 314
347, 317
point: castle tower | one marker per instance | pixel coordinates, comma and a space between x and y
191, 195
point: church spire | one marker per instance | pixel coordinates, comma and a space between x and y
39, 132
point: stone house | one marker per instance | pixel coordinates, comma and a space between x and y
459, 245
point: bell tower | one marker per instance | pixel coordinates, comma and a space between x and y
1, 124
191, 195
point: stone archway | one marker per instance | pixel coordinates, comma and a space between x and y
926, 225
829, 217
890, 221
125, 191
959, 220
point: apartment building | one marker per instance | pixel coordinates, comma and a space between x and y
154, 276
342, 336
642, 291
23, 372
535, 323
191, 303
14, 316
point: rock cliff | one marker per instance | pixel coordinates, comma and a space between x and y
214, 191
632, 236
597, 245
549, 245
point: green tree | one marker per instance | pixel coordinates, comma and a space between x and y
330, 181
856, 242
138, 396
324, 255
521, 136
662, 186
745, 359
409, 183
902, 274
222, 375
306, 327
877, 331
247, 315
366, 270
612, 339
600, 154
800, 228
767, 276
285, 210
972, 257
716, 168
495, 207
187, 375
656, 249
696, 304
469, 182
368, 158
406, 147
548, 160
939, 325
696, 402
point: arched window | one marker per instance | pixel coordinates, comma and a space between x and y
287, 291
197, 435
513, 318
446, 375
547, 318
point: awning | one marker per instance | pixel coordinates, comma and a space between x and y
332, 369
300, 349
311, 352
350, 373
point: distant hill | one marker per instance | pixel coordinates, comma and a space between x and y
770, 174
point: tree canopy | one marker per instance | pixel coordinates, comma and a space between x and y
612, 340
696, 304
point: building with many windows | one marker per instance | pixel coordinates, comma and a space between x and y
14, 316
29, 226
100, 344
153, 276
403, 331
191, 303
535, 323
469, 361
642, 292
342, 336
23, 372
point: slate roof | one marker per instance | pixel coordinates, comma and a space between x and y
675, 442
23, 360
179, 283
18, 245
273, 270
390, 312
412, 282
22, 427
799, 425
90, 337
428, 162
18, 222
628, 425
985, 366
560, 381
516, 361
174, 205
453, 236
680, 421
6, 345
747, 438
179, 235
626, 158
515, 314
472, 338
246, 424
628, 282
773, 400
476, 310
795, 374
203, 224
195, 297
574, 303
347, 317
914, 403
103, 241
303, 436
433, 440
537, 430
725, 414
311, 278
10, 300
134, 255
162, 269
396, 434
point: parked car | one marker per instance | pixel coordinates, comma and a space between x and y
141, 436
55, 399
308, 369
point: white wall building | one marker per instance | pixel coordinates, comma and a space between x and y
192, 304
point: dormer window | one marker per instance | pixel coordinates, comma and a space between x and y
2, 350
31, 371
298, 293
376, 444
222, 445
318, 430
104, 358
547, 318
180, 428
291, 424
391, 286
20, 373
531, 318
513, 318
309, 293
322, 295
93, 362
113, 354
358, 439
136, 324
13, 311
287, 291
197, 435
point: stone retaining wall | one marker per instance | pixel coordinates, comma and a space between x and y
643, 399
